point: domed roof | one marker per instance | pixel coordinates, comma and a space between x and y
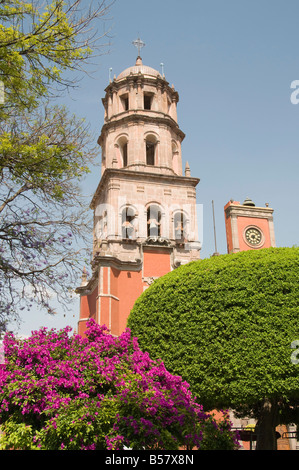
139, 68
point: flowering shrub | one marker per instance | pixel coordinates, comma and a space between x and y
62, 391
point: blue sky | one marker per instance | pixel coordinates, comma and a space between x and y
232, 63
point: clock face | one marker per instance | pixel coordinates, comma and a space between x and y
253, 236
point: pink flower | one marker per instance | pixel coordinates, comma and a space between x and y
62, 382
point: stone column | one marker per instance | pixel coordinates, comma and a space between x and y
132, 96
271, 230
235, 235
110, 104
114, 102
139, 97
173, 108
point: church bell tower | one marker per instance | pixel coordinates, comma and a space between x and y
144, 207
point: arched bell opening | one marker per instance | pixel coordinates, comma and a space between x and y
180, 226
151, 149
154, 216
128, 223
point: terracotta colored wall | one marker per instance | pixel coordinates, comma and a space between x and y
127, 287
105, 278
81, 328
104, 311
104, 301
261, 223
111, 304
156, 263
88, 305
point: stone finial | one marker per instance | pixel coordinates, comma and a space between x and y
84, 277
187, 170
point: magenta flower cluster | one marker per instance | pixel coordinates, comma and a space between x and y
96, 392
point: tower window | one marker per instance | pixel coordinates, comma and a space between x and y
122, 151
150, 153
125, 154
147, 101
124, 99
153, 222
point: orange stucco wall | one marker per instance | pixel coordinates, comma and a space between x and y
110, 304
104, 310
156, 263
243, 222
126, 287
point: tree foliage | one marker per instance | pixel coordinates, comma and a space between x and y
62, 391
226, 325
44, 151
39, 43
42, 211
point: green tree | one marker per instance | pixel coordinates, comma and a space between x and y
44, 151
227, 325
42, 210
40, 44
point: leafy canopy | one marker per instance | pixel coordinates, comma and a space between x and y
39, 43
226, 325
45, 152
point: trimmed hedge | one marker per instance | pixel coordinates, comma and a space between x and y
226, 325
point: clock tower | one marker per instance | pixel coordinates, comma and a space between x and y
248, 227
145, 212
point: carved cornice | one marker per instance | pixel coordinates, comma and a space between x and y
157, 241
89, 286
140, 176
110, 260
245, 211
136, 116
140, 79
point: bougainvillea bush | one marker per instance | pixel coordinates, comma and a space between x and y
61, 391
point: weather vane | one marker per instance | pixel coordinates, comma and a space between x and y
139, 44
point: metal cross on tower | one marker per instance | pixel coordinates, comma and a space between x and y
139, 44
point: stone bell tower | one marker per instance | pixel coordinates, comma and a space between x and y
145, 220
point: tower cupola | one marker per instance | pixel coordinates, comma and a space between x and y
140, 130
